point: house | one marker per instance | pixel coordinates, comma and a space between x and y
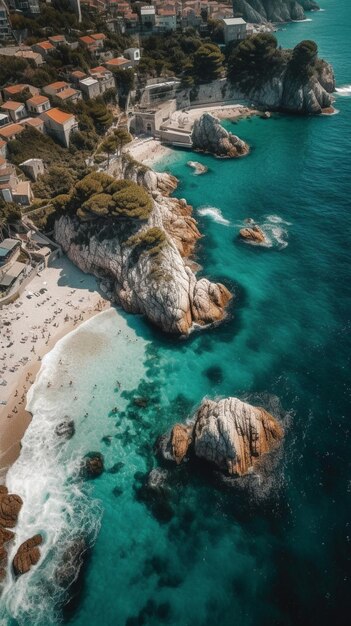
89, 87
99, 39
133, 54
57, 40
22, 193
69, 95
147, 17
59, 125
15, 110
13, 91
119, 63
4, 119
131, 21
29, 55
44, 48
33, 122
33, 168
9, 251
38, 104
55, 88
89, 43
234, 29
76, 76
104, 77
10, 131
27, 7
166, 21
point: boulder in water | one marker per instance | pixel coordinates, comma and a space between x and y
65, 429
252, 234
180, 442
198, 168
28, 554
231, 434
208, 135
93, 464
10, 506
71, 562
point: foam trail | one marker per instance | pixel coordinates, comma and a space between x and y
345, 90
215, 214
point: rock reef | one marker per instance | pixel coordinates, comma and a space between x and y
161, 286
232, 435
262, 11
209, 136
252, 234
28, 554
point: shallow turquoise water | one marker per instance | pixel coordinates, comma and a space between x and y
206, 554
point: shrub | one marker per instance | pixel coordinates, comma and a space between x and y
150, 241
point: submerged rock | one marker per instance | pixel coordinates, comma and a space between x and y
231, 434
71, 562
28, 554
10, 506
93, 465
198, 168
208, 135
252, 234
65, 429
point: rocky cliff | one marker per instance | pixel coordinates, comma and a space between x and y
156, 282
209, 136
233, 435
261, 11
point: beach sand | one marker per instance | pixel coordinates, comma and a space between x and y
30, 327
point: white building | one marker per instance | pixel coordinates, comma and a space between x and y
235, 29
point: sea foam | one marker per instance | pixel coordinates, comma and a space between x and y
215, 214
57, 503
345, 90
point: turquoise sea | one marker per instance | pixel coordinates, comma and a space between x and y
199, 553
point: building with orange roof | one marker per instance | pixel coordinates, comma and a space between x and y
69, 95
119, 63
57, 40
33, 122
89, 43
104, 77
15, 110
30, 55
59, 125
38, 105
10, 131
43, 47
55, 88
11, 91
76, 76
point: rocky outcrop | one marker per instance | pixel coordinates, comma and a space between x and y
209, 136
262, 11
93, 465
232, 435
161, 286
252, 234
28, 554
10, 506
198, 168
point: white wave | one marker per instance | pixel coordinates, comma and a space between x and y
275, 219
215, 214
307, 19
345, 90
57, 503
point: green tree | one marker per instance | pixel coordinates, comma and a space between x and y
255, 60
303, 59
208, 63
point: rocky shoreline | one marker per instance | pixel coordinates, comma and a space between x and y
161, 285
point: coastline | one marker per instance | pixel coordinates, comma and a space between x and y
29, 331
150, 150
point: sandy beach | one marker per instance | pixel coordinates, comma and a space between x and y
57, 300
149, 150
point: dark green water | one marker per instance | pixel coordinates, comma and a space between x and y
204, 554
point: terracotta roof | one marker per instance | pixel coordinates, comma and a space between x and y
97, 70
58, 116
78, 74
67, 93
58, 85
11, 105
2, 143
11, 129
87, 39
119, 61
58, 38
98, 36
32, 121
12, 89
46, 45
36, 100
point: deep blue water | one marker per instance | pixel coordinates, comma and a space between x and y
204, 554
